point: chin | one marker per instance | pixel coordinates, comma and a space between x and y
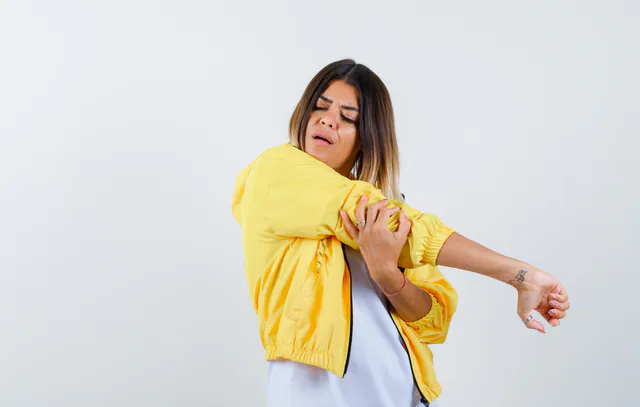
319, 155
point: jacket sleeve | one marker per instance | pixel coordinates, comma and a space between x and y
304, 196
433, 327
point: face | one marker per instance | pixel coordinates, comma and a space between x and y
332, 132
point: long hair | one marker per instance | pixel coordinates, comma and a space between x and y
378, 161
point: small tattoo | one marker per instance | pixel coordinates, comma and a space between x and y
519, 278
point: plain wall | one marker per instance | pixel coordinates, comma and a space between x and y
123, 125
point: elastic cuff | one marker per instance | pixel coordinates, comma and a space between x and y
427, 321
436, 242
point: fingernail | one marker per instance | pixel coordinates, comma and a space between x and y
552, 312
363, 197
554, 304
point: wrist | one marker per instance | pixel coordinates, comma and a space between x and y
389, 279
519, 274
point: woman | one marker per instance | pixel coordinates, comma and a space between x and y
345, 281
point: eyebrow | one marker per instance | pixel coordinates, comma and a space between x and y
326, 99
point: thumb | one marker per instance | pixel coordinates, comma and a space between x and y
532, 323
404, 227
527, 303
535, 324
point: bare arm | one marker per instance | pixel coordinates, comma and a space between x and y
457, 252
537, 290
411, 302
465, 254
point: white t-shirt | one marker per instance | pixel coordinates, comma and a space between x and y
379, 373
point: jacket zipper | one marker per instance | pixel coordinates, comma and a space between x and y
346, 262
423, 399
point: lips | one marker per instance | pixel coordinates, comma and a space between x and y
322, 136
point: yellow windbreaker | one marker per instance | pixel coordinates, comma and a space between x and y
287, 203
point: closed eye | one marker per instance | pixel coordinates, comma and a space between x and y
345, 118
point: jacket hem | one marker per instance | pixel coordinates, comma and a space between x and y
318, 359
431, 390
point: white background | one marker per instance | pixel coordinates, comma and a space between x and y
124, 123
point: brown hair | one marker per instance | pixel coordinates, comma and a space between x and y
378, 161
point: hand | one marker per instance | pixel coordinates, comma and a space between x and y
380, 247
542, 293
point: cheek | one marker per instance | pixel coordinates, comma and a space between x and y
312, 120
313, 116
350, 137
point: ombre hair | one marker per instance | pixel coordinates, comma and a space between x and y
378, 161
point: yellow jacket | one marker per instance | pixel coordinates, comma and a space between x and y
287, 203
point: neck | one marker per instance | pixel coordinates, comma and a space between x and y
345, 170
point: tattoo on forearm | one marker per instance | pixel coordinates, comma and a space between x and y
519, 278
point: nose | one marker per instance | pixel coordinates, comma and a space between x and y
329, 120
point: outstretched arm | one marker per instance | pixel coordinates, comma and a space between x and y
537, 290
381, 249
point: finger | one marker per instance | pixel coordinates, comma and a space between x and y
385, 214
372, 212
557, 313
535, 324
559, 297
558, 289
403, 228
562, 306
360, 211
551, 320
348, 224
527, 314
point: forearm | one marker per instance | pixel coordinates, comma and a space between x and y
411, 303
465, 254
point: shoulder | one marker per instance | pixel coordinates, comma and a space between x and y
274, 157
280, 151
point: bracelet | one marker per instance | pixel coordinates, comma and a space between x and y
401, 288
